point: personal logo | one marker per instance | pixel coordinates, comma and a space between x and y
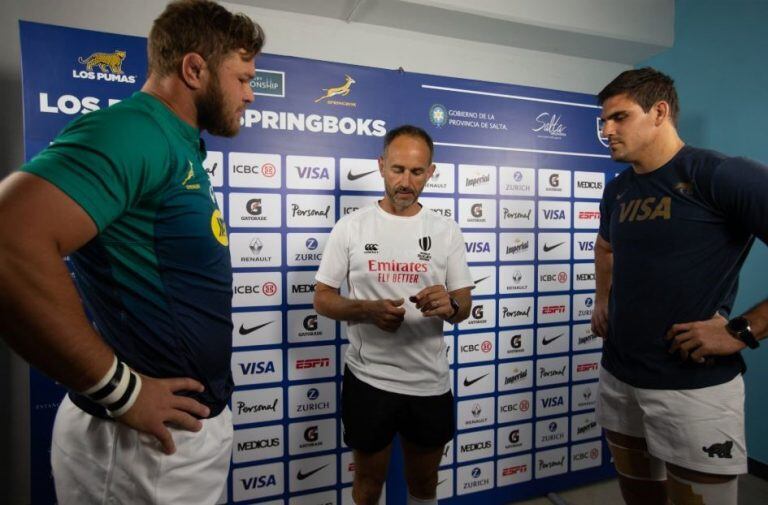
547, 341
301, 475
438, 115
353, 177
721, 450
425, 243
311, 243
548, 248
247, 331
109, 64
342, 90
468, 382
212, 171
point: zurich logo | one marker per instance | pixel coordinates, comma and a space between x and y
438, 116
588, 302
552, 427
476, 472
518, 176
311, 243
312, 394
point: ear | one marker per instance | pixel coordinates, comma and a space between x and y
194, 71
661, 112
381, 165
431, 170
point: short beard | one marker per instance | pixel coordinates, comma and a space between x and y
211, 115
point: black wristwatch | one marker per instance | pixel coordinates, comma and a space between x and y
739, 328
455, 306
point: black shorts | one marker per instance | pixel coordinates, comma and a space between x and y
372, 417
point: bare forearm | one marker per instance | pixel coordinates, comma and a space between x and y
603, 272
331, 304
43, 320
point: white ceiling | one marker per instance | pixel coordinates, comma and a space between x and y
622, 31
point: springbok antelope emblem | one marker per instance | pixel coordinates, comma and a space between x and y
342, 90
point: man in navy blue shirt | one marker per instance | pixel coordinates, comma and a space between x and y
676, 227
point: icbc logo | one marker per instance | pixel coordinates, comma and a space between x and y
562, 277
269, 288
268, 170
524, 405
486, 346
594, 453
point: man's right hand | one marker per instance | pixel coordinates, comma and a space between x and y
158, 406
386, 314
600, 320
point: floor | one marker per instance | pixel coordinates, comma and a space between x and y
752, 491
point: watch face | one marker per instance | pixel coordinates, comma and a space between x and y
738, 324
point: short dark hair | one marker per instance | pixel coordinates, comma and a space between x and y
203, 27
646, 86
411, 131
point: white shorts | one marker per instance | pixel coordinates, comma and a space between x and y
97, 461
700, 429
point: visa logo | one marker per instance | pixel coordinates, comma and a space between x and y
257, 368
552, 214
259, 481
313, 172
556, 401
587, 245
478, 247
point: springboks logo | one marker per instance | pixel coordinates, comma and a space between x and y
342, 90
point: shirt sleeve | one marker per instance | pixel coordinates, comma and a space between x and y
457, 270
334, 267
106, 161
739, 188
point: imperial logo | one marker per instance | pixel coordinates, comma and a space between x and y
586, 339
475, 181
517, 375
313, 363
518, 246
589, 426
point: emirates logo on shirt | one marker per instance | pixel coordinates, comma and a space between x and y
425, 243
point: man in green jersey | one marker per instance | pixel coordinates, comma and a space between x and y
123, 192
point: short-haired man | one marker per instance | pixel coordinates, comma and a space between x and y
123, 192
675, 229
407, 273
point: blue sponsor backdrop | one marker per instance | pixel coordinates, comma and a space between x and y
520, 168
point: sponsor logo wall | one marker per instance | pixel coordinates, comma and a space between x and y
520, 169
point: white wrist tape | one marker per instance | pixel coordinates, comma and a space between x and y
117, 390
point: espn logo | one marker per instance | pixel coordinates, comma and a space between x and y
586, 367
512, 470
313, 363
553, 309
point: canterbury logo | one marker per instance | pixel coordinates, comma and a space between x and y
111, 61
372, 247
342, 90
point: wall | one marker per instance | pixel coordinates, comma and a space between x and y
290, 34
718, 63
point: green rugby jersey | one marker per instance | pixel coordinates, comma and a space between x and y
157, 279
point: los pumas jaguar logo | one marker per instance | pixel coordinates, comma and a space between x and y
425, 243
722, 450
109, 64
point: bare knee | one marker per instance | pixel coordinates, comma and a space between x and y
366, 490
422, 486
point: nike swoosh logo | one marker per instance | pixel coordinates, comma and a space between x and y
354, 177
440, 482
246, 331
548, 248
468, 382
619, 195
547, 341
302, 476
478, 281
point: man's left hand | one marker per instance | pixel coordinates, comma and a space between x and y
433, 301
700, 339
